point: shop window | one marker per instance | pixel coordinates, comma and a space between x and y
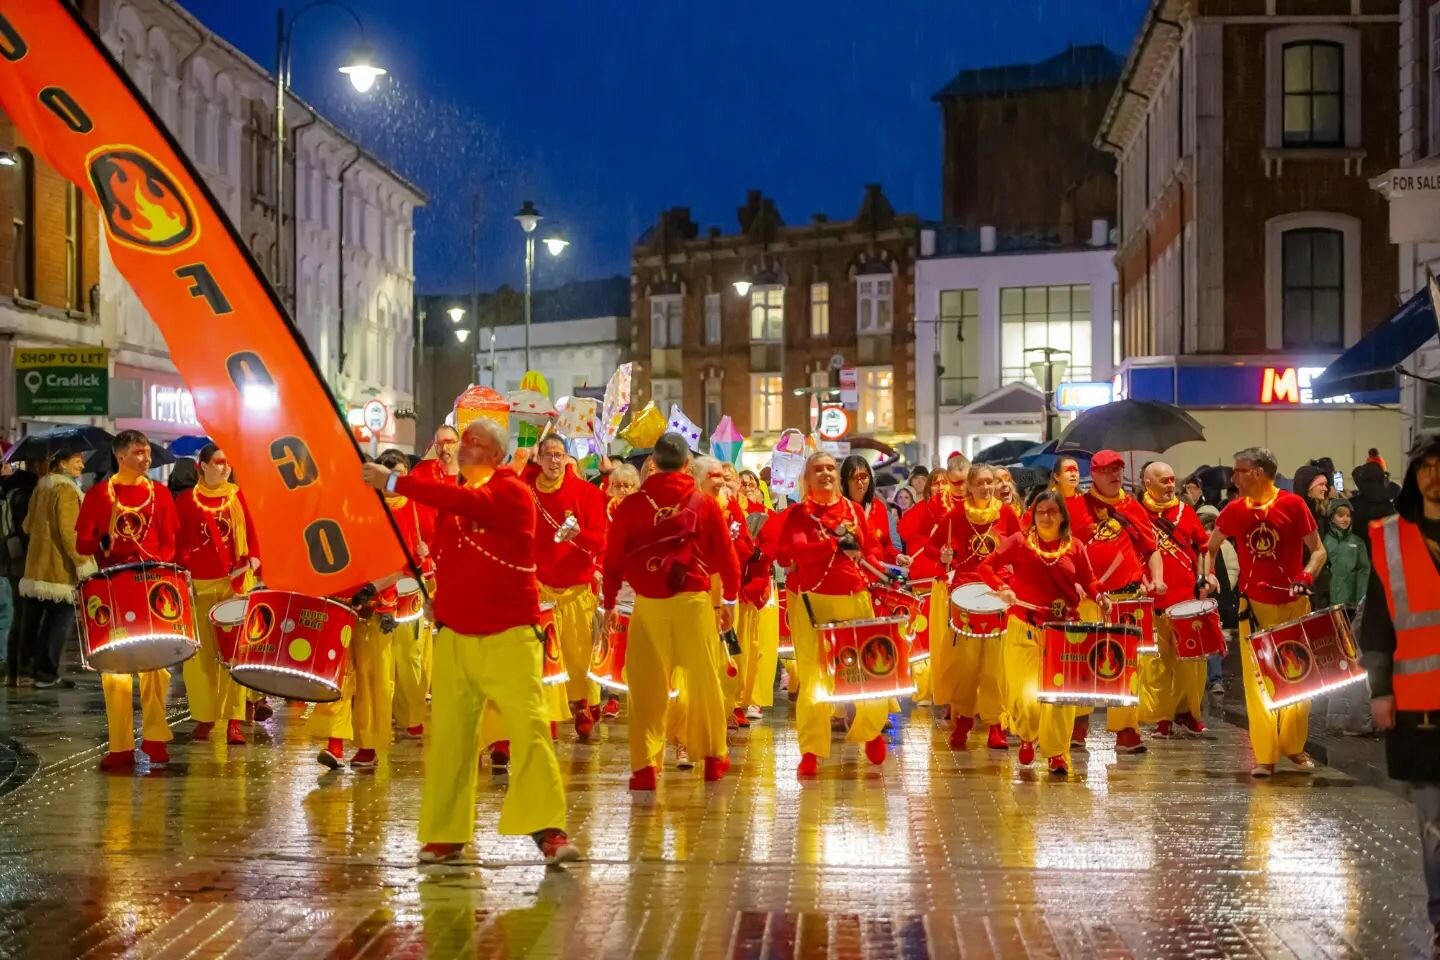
766, 403
959, 338
1034, 317
767, 314
877, 399
666, 314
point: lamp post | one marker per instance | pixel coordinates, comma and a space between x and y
1045, 372
359, 67
529, 219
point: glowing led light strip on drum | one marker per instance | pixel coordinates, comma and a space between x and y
610, 684
1300, 698
247, 669
1089, 699
128, 642
410, 619
920, 657
869, 695
558, 678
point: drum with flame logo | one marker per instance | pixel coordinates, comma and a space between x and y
1195, 626
976, 612
607, 662
890, 601
294, 646
552, 668
869, 659
409, 600
226, 619
1306, 657
1089, 664
1137, 612
136, 617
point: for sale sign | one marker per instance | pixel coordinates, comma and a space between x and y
66, 381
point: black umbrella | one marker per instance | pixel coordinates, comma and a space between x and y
1132, 425
1006, 451
102, 461
40, 447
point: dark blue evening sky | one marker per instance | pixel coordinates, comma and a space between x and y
607, 112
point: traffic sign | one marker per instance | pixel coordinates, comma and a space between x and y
849, 388
376, 415
834, 423
837, 361
814, 412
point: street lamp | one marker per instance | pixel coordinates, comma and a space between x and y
1048, 372
456, 314
529, 219
359, 67
462, 334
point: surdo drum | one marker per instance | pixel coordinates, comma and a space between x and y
294, 646
868, 659
607, 663
1195, 625
1089, 664
1137, 612
226, 618
891, 601
136, 617
976, 613
1306, 657
552, 669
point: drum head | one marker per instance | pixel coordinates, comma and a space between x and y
977, 598
1192, 608
230, 612
407, 585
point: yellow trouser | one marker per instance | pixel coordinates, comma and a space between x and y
920, 673
120, 708
363, 710
1273, 733
470, 671
408, 646
575, 631
759, 632
208, 687
1045, 724
976, 674
677, 711
944, 656
665, 635
1152, 684
812, 713
1187, 677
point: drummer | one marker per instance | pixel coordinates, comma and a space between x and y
216, 542
408, 642
1272, 529
622, 481
825, 539
1043, 574
128, 518
919, 528
1065, 480
1120, 537
1181, 538
970, 533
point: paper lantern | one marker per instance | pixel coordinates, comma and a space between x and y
683, 425
576, 417
478, 401
645, 428
787, 463
616, 405
726, 442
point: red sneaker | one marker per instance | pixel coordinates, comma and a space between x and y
875, 751
611, 710
1191, 722
333, 753
809, 766
1128, 741
1164, 730
363, 760
740, 718
643, 779
1079, 732
500, 755
202, 731
263, 711
997, 739
416, 731
1058, 767
158, 753
595, 713
1027, 752
118, 761
716, 768
554, 730
234, 734
555, 847
441, 852
960, 732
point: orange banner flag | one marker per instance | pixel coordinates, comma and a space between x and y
257, 389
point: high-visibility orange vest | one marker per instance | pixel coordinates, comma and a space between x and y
1412, 590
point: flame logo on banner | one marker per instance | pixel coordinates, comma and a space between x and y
142, 205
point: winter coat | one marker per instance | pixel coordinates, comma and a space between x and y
53, 565
1349, 564
1373, 499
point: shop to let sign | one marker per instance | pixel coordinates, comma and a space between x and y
62, 381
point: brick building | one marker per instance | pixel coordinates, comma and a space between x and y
1018, 151
826, 293
1252, 249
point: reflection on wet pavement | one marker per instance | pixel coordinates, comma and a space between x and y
255, 852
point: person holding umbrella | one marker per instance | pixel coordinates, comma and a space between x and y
54, 563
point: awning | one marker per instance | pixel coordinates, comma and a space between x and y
1370, 364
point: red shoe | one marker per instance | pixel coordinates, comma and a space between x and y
416, 731
555, 847
584, 724
331, 756
595, 713
500, 755
960, 732
234, 734
1027, 752
363, 760
201, 731
997, 739
740, 718
1058, 767
1191, 722
441, 852
809, 766
1079, 732
263, 711
158, 753
1164, 730
643, 779
875, 751
611, 710
118, 761
554, 730
716, 768
1128, 741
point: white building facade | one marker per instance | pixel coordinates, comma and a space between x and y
576, 356
982, 307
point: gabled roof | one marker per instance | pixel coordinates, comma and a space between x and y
1012, 398
1081, 66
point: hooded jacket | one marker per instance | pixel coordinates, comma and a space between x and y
53, 564
1373, 498
1347, 559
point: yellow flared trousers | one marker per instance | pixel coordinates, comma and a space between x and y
1045, 724
367, 693
120, 708
1273, 733
944, 656
575, 631
674, 633
976, 677
812, 712
470, 671
1152, 685
212, 694
759, 632
1182, 687
408, 645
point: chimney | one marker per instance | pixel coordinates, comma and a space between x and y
987, 239
1099, 233
927, 242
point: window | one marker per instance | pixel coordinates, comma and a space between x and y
665, 322
877, 398
74, 250
820, 310
712, 404
665, 393
1313, 288
875, 304
766, 400
1033, 317
959, 339
712, 318
1314, 92
767, 314
22, 234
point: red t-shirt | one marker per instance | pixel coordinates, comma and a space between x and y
814, 553
643, 537
1270, 543
145, 522
1045, 584
575, 561
972, 541
1118, 535
204, 543
1182, 538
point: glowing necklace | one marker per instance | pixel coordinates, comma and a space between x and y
1048, 557
1151, 503
1264, 507
118, 509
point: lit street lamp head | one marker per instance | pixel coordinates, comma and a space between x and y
456, 314
529, 218
361, 68
462, 334
742, 287
556, 245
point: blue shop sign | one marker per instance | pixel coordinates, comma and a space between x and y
1237, 385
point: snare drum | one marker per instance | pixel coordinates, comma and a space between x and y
1195, 625
136, 617
787, 645
920, 639
226, 618
607, 663
891, 601
409, 600
552, 669
294, 646
1306, 657
869, 659
1137, 612
1089, 664
976, 612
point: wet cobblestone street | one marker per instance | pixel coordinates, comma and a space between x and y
256, 852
